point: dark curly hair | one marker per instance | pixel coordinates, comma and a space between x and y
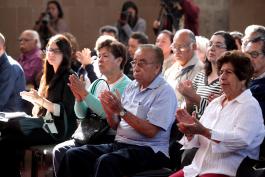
241, 63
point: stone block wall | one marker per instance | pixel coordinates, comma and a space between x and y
85, 17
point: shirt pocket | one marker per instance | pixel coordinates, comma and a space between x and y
142, 111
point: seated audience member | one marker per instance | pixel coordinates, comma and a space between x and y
164, 40
238, 38
12, 81
256, 49
129, 22
135, 40
223, 145
202, 44
112, 58
205, 85
53, 118
50, 22
109, 30
251, 32
31, 58
142, 138
187, 64
75, 64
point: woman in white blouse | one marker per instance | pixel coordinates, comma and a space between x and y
231, 127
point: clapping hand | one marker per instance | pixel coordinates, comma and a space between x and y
77, 87
188, 124
32, 96
84, 57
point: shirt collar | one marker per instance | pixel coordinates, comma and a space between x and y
260, 76
31, 53
154, 84
193, 61
242, 98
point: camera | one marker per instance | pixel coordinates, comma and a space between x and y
169, 4
124, 16
46, 18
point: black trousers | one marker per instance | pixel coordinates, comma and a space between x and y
111, 160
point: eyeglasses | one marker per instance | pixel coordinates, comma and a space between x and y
24, 40
254, 54
181, 48
51, 50
217, 46
141, 64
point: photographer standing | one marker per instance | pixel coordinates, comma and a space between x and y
177, 14
129, 22
50, 22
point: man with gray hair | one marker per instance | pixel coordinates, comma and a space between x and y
30, 58
187, 64
252, 32
12, 81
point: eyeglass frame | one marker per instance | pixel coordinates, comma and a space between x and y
216, 45
141, 63
24, 39
51, 50
181, 48
255, 54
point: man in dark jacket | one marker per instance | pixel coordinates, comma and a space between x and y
12, 81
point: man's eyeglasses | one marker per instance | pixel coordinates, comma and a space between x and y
141, 64
254, 54
181, 48
24, 40
51, 50
217, 46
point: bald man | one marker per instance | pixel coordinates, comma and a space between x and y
12, 81
187, 64
30, 58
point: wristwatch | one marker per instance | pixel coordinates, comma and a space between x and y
123, 112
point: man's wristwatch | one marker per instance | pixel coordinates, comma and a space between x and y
122, 112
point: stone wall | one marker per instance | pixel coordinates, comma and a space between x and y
85, 17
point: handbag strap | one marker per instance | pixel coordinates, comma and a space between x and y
95, 84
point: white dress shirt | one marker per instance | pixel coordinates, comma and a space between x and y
239, 128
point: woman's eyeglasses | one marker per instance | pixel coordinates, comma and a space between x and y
51, 50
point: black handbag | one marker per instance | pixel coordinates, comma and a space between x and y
92, 128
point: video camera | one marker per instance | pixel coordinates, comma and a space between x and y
169, 4
46, 17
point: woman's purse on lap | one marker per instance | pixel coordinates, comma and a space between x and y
92, 128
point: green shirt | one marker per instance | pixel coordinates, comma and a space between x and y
92, 102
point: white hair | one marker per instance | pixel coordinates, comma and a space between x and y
35, 36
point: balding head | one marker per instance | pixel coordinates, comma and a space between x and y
183, 46
29, 40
